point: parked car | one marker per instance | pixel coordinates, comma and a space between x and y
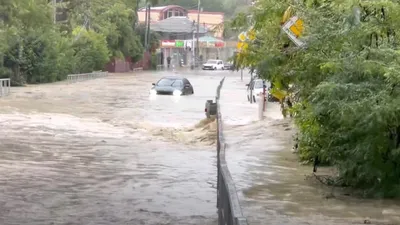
213, 64
255, 88
172, 85
229, 66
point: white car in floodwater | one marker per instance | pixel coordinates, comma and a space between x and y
213, 64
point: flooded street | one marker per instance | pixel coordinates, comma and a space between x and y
271, 184
104, 152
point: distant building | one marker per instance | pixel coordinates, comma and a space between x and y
177, 33
210, 20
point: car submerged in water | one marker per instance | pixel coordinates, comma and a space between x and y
229, 66
172, 85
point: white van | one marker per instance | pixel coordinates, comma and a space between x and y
213, 64
255, 89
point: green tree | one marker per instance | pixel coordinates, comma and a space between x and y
91, 52
345, 83
33, 49
115, 20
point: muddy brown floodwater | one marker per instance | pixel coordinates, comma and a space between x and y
103, 152
271, 183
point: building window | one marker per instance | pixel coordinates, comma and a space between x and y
169, 13
180, 13
176, 13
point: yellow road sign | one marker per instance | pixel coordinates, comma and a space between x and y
242, 36
242, 46
297, 28
251, 34
294, 31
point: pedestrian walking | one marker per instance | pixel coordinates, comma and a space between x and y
169, 61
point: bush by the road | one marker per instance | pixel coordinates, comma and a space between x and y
345, 82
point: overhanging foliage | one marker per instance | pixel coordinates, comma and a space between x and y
346, 83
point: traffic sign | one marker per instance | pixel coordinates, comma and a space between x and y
297, 28
293, 28
242, 36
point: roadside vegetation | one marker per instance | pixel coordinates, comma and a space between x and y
344, 84
34, 49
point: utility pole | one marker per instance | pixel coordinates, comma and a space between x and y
198, 30
145, 24
192, 46
148, 26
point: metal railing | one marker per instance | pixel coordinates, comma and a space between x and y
86, 76
229, 210
5, 86
160, 67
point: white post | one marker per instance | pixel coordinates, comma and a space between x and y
261, 107
193, 51
1, 88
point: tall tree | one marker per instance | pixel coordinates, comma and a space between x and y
345, 82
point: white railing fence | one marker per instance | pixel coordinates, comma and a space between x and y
5, 86
73, 78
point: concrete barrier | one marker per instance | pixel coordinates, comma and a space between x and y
229, 210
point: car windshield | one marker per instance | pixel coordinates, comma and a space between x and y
170, 82
258, 84
166, 82
212, 61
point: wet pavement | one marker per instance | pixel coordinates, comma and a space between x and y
271, 184
103, 152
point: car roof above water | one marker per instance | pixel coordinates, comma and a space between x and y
172, 78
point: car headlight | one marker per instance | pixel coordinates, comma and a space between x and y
177, 93
153, 92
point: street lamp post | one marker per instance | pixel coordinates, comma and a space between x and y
198, 29
192, 47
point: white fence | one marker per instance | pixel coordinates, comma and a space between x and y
5, 85
160, 67
85, 76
